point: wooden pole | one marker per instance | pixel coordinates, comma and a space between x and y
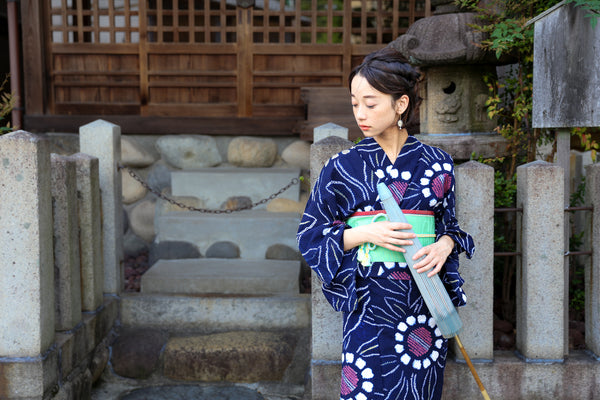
15, 63
472, 368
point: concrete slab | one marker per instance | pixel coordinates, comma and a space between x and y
209, 314
254, 231
223, 276
215, 185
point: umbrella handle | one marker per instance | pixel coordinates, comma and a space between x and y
472, 368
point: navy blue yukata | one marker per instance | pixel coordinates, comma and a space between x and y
391, 348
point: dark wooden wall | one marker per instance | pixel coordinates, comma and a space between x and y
193, 66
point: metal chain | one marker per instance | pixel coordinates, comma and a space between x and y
161, 195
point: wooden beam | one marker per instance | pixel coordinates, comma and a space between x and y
134, 124
33, 56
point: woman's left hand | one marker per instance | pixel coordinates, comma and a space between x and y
436, 255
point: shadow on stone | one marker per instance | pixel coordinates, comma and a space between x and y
220, 392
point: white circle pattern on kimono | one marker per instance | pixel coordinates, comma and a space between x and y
416, 343
356, 377
438, 185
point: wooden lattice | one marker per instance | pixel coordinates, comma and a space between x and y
209, 58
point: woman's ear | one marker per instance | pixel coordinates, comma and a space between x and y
402, 104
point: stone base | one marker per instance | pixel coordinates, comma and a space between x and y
67, 370
223, 276
507, 377
210, 314
462, 145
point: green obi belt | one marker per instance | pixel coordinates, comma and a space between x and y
423, 223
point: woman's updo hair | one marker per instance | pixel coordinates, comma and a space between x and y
388, 72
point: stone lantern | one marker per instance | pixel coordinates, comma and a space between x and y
445, 48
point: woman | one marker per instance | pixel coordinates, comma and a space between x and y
392, 348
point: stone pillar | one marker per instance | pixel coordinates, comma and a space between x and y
326, 363
592, 268
540, 275
26, 260
475, 213
103, 140
90, 228
67, 275
329, 129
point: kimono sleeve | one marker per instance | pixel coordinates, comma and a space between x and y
446, 222
320, 240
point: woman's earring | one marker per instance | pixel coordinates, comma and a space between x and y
400, 123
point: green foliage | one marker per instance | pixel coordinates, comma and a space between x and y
7, 103
510, 38
592, 6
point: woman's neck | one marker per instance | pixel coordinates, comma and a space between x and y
392, 143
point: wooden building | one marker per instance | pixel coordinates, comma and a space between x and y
194, 66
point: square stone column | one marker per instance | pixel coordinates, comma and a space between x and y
540, 269
66, 243
326, 365
102, 139
26, 248
592, 268
90, 231
475, 213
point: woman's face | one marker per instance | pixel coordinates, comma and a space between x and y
375, 112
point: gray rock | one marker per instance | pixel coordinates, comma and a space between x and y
135, 353
141, 219
189, 152
282, 252
223, 250
133, 244
172, 250
297, 154
252, 152
133, 154
159, 176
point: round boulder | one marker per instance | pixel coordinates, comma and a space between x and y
133, 154
189, 152
141, 219
297, 154
251, 152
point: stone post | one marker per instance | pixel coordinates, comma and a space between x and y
103, 140
326, 363
90, 228
26, 261
329, 129
592, 268
475, 213
540, 275
67, 275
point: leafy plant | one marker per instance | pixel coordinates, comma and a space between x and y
592, 6
504, 24
7, 103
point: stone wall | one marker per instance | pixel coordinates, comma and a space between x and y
154, 158
58, 303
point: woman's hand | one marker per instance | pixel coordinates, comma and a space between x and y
435, 256
382, 233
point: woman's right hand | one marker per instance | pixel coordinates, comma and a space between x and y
381, 233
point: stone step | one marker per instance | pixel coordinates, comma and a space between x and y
215, 185
241, 356
211, 314
253, 231
222, 276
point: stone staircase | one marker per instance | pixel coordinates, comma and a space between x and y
236, 320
